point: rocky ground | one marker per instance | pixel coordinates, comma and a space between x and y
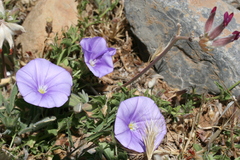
204, 125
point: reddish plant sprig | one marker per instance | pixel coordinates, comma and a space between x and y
210, 39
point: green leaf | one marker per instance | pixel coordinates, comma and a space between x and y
67, 42
38, 125
1, 98
74, 100
60, 56
107, 151
197, 147
84, 96
237, 146
52, 131
99, 127
94, 136
12, 99
208, 157
224, 93
31, 142
62, 124
221, 157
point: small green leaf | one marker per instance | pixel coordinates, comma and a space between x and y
52, 131
62, 124
74, 100
1, 98
107, 150
197, 147
94, 136
31, 142
38, 125
99, 127
13, 94
237, 146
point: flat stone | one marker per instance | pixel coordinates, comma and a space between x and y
234, 3
62, 12
154, 23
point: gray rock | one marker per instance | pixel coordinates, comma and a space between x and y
154, 23
234, 3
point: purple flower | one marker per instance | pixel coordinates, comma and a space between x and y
134, 119
98, 56
218, 30
208, 24
44, 84
209, 41
224, 41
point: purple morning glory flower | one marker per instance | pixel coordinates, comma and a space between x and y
135, 117
43, 83
98, 56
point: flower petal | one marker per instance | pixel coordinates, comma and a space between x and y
224, 41
40, 73
218, 30
7, 35
161, 132
53, 99
121, 123
130, 141
95, 46
60, 88
55, 74
2, 36
15, 28
103, 67
209, 22
139, 111
25, 83
227, 18
47, 101
33, 97
97, 56
111, 51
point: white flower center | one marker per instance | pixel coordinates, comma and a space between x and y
132, 126
42, 89
93, 62
209, 43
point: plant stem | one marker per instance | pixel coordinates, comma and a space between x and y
233, 86
164, 52
229, 89
109, 9
12, 140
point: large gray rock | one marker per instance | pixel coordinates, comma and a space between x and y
234, 3
154, 23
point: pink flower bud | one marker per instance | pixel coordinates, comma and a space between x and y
218, 30
224, 41
227, 18
209, 22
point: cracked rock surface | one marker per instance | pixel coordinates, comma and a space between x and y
154, 23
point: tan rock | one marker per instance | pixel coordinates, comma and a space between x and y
62, 12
